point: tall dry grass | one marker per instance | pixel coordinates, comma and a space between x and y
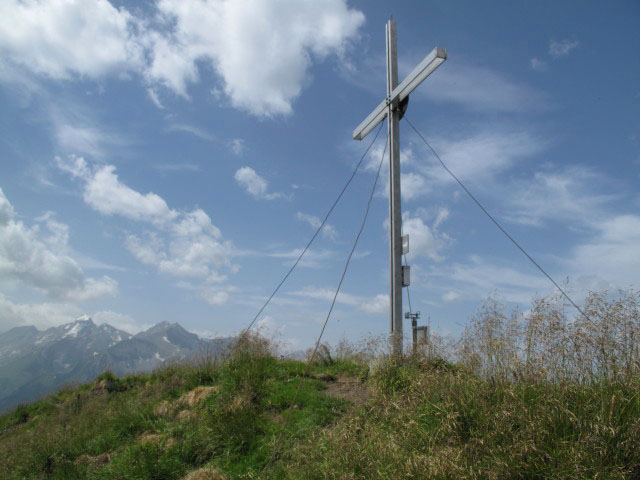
550, 343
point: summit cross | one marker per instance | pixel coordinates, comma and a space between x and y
393, 107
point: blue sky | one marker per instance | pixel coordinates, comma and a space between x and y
165, 161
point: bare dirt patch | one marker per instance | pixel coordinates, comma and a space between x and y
96, 461
347, 388
196, 395
205, 474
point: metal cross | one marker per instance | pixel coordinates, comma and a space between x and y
393, 107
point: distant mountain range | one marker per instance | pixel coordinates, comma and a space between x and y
34, 362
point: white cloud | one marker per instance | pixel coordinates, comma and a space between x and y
425, 241
118, 320
76, 129
153, 95
612, 255
480, 277
275, 329
237, 146
7, 212
442, 215
214, 297
450, 296
480, 156
41, 261
46, 315
537, 64
261, 50
328, 231
376, 304
413, 185
254, 184
84, 138
40, 315
193, 130
268, 326
562, 48
104, 192
190, 247
608, 260
66, 38
568, 195
183, 244
218, 294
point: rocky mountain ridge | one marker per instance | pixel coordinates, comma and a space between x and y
35, 362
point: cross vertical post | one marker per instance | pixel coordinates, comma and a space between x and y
393, 107
395, 211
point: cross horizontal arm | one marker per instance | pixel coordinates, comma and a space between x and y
402, 91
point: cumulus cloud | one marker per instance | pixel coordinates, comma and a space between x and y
328, 231
105, 193
413, 185
180, 244
424, 240
261, 50
562, 48
66, 38
40, 315
254, 184
40, 260
377, 304
214, 297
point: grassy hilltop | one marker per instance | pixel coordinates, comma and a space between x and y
482, 417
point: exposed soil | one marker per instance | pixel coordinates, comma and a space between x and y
347, 388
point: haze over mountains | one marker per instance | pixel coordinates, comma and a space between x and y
34, 362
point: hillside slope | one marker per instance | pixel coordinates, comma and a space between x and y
34, 362
424, 419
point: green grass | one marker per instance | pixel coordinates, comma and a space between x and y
424, 420
233, 428
427, 422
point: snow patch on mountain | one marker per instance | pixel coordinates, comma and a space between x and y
74, 330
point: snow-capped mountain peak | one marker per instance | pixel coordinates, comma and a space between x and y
34, 361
